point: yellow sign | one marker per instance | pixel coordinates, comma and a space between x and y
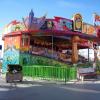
77, 22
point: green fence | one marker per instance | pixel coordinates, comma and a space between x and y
50, 73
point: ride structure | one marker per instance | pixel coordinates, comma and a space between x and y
46, 41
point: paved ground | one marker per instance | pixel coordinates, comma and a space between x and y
29, 90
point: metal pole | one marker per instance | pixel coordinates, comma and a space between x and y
88, 55
52, 46
66, 75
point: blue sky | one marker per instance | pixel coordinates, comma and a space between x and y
16, 9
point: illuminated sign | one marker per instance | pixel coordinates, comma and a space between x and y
77, 22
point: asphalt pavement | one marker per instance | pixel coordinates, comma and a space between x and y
45, 90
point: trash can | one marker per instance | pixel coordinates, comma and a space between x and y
14, 73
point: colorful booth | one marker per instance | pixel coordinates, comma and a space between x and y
57, 39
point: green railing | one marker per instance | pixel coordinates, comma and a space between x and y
50, 73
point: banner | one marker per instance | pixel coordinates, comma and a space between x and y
65, 24
58, 23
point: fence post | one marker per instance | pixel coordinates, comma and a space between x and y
65, 75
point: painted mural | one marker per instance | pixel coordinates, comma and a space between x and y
27, 59
63, 24
31, 23
11, 51
12, 42
14, 26
58, 23
11, 56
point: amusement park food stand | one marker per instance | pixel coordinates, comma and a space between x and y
46, 37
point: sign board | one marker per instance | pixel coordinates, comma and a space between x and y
88, 29
77, 19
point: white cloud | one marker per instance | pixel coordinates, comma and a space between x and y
70, 4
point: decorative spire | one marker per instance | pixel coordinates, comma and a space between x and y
31, 18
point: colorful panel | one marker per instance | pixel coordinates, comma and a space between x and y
88, 29
12, 42
58, 23
11, 56
63, 24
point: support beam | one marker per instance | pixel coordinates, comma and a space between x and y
75, 39
88, 55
